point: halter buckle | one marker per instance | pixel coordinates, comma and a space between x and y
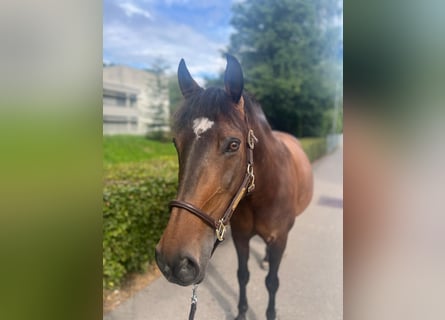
220, 230
251, 139
251, 185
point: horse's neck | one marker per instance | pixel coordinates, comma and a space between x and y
268, 149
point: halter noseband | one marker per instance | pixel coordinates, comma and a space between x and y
246, 187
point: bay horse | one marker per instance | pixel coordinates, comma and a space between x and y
230, 162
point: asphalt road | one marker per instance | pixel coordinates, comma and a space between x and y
311, 272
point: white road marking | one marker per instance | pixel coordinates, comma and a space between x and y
201, 125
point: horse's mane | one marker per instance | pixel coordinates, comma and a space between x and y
213, 103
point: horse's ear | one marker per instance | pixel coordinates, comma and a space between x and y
186, 83
233, 79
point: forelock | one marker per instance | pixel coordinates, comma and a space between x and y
212, 103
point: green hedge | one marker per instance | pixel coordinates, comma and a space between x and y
135, 211
314, 147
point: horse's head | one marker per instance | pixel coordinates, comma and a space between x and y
210, 139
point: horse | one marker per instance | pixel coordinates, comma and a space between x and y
233, 168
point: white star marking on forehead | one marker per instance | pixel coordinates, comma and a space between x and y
201, 125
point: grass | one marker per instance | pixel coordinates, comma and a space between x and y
126, 149
129, 149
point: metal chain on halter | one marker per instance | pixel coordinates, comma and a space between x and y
247, 186
193, 303
251, 140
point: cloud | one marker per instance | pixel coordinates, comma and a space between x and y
131, 9
168, 41
172, 30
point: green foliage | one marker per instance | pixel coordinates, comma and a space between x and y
135, 212
159, 135
314, 147
215, 82
126, 148
289, 57
332, 121
174, 93
339, 126
158, 102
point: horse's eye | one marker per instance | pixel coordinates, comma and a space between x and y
233, 146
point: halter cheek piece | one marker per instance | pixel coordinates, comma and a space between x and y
245, 188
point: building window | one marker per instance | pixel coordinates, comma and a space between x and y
120, 101
133, 101
116, 99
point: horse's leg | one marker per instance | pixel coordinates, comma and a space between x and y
275, 250
242, 250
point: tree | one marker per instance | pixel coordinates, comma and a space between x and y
174, 93
287, 50
157, 127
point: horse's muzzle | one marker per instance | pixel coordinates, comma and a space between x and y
182, 270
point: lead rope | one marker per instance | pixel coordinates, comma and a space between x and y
193, 303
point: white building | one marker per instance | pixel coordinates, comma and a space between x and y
134, 101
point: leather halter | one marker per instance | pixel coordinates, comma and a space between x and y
245, 188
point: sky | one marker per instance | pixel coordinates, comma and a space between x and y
140, 32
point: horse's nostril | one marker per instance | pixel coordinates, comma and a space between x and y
165, 269
186, 271
183, 271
